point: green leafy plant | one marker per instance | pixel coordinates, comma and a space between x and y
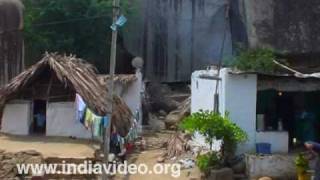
208, 161
213, 126
259, 60
302, 163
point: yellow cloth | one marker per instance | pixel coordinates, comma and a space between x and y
89, 118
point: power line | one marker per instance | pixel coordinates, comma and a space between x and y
70, 20
57, 22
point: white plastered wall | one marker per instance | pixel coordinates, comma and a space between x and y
61, 121
202, 98
16, 118
240, 99
202, 91
237, 95
132, 95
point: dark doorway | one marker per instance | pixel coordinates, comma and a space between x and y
297, 113
285, 111
38, 125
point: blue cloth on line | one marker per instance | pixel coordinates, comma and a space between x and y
105, 121
81, 108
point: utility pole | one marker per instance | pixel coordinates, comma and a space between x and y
226, 21
116, 9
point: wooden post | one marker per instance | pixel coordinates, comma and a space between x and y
216, 93
116, 6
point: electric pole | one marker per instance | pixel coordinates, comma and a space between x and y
116, 9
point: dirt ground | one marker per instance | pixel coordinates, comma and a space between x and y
76, 148
150, 155
62, 147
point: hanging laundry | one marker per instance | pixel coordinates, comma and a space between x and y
97, 125
81, 108
133, 133
105, 121
88, 118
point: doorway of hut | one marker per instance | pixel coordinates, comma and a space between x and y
297, 113
38, 125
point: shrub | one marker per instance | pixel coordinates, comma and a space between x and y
259, 60
208, 161
302, 163
214, 126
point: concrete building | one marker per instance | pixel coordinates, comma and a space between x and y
279, 109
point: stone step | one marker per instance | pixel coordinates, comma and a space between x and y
240, 177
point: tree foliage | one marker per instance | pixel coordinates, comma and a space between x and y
79, 27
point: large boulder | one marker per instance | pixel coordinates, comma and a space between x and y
174, 117
288, 27
155, 123
158, 97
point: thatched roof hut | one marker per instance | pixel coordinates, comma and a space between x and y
58, 78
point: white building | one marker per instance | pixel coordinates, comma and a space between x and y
268, 107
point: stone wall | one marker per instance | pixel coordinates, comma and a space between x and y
275, 166
8, 162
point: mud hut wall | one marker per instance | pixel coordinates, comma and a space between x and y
62, 121
17, 118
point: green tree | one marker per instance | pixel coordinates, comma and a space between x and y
78, 27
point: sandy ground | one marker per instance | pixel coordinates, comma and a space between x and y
75, 148
150, 156
49, 146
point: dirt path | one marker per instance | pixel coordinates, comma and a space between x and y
48, 146
149, 157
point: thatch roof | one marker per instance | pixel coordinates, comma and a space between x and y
78, 75
72, 72
123, 79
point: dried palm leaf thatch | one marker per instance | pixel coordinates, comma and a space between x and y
122, 116
70, 71
78, 75
124, 79
177, 145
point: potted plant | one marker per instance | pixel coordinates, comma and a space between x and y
302, 165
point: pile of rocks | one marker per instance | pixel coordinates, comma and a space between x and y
166, 107
9, 161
